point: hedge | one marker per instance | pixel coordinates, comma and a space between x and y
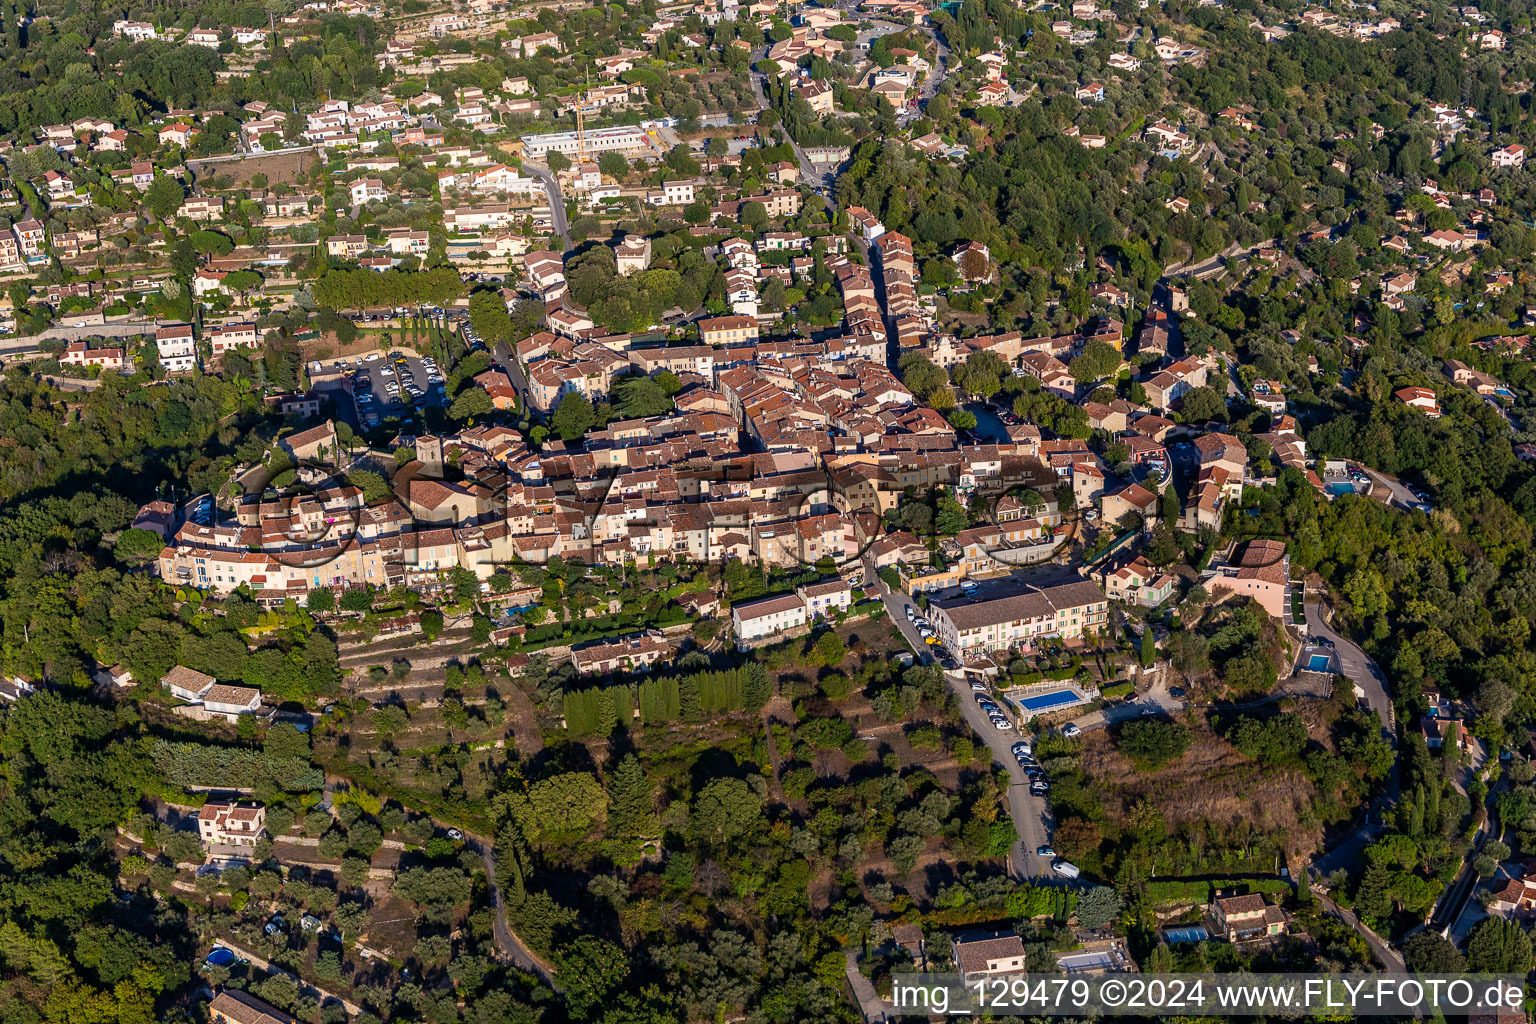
1114, 691
1169, 892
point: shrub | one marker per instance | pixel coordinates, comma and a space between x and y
1152, 742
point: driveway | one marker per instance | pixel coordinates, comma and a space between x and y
1398, 494
1354, 664
1156, 699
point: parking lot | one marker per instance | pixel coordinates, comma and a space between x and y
391, 386
382, 385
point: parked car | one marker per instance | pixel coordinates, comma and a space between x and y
1070, 730
1002, 725
1044, 851
1023, 747
1065, 869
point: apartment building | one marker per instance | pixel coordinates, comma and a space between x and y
1011, 612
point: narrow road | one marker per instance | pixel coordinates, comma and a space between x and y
506, 939
870, 1004
810, 174
1031, 817
1389, 957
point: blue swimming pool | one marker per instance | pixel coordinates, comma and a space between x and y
1046, 701
1340, 487
1318, 663
220, 957
1178, 935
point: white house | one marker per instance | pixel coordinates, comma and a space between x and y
767, 617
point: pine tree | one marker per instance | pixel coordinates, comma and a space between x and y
1373, 898
632, 808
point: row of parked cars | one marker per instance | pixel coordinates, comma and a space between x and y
929, 637
984, 701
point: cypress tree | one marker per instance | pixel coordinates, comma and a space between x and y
672, 700
573, 718
606, 715
624, 704
690, 700
651, 709
755, 687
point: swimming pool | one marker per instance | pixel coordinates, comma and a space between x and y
1071, 963
220, 957
1046, 701
1318, 663
1340, 487
1178, 935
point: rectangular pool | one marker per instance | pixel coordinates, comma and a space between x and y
1046, 701
1318, 663
1178, 935
1339, 487
1072, 963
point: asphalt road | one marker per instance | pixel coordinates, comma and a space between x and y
556, 201
1031, 817
815, 175
1389, 957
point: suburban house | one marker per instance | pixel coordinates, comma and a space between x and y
635, 653
1137, 582
235, 1007
216, 698
1261, 573
1419, 398
1512, 155
231, 823
767, 617
823, 600
992, 955
1517, 894
1238, 918
187, 684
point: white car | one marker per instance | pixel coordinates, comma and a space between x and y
1071, 731
1002, 725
